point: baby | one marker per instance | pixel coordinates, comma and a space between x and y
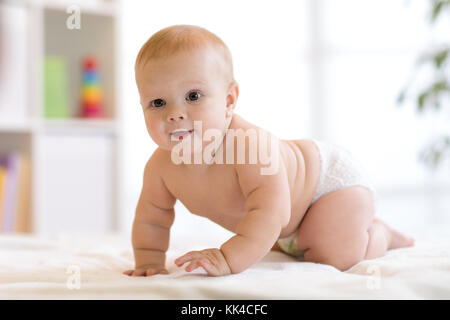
309, 199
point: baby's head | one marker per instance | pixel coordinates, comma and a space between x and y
184, 74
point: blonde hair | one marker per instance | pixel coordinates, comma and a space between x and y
183, 38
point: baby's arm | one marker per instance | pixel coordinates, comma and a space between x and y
153, 219
268, 211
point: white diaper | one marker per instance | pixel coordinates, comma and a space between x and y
338, 170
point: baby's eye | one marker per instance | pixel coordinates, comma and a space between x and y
157, 103
193, 96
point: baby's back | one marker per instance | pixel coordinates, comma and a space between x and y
301, 158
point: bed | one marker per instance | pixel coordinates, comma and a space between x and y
90, 267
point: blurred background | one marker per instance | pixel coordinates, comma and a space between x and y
371, 76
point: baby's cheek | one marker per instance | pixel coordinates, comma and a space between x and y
156, 132
150, 127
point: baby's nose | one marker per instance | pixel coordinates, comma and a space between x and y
176, 116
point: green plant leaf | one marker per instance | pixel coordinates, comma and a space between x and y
432, 94
421, 100
440, 58
434, 153
436, 10
440, 86
401, 97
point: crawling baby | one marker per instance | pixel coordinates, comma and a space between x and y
307, 198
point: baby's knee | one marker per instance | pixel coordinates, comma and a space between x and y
342, 256
344, 262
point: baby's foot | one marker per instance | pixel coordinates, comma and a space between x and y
396, 239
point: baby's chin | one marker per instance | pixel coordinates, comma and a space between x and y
169, 145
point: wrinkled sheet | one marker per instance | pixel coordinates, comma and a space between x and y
88, 267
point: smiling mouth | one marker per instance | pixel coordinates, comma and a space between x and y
181, 133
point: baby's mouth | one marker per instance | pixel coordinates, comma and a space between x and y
180, 134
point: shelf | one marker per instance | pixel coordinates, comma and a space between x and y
106, 8
7, 126
79, 125
74, 163
97, 7
62, 125
95, 39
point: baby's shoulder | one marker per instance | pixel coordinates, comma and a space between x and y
154, 188
157, 162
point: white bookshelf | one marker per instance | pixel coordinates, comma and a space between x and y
75, 162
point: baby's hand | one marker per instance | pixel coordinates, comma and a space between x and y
211, 260
147, 270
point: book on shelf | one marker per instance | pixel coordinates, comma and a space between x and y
14, 192
55, 88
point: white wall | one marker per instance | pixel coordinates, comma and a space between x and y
368, 56
313, 68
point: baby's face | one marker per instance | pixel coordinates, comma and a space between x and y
181, 89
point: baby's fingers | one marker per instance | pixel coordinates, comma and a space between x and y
209, 268
128, 272
187, 257
145, 272
134, 273
193, 265
152, 271
138, 273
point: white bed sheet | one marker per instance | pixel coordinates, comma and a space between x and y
45, 267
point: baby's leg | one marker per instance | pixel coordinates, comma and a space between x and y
339, 229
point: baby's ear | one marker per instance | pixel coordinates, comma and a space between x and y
232, 96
